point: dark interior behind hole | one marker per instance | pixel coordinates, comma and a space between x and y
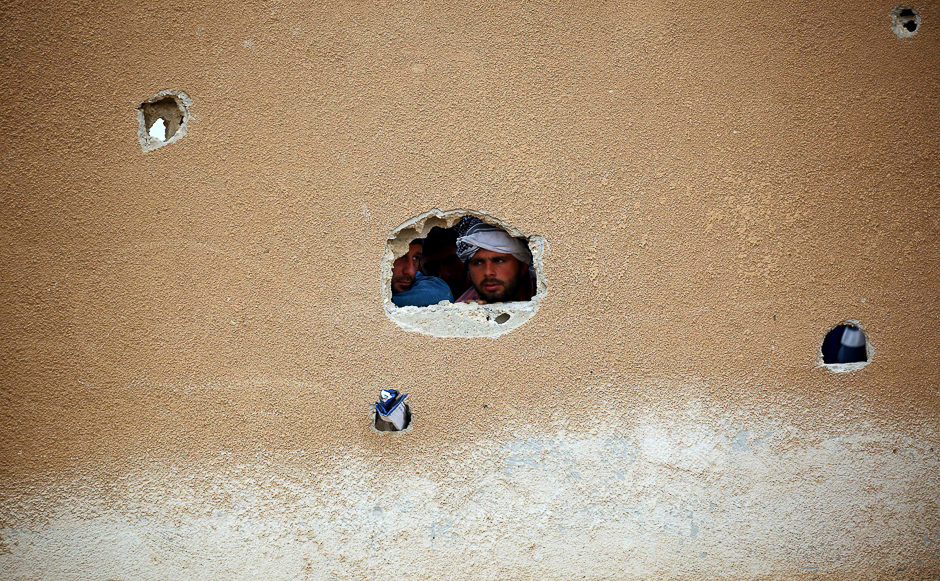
383, 426
168, 109
910, 25
834, 351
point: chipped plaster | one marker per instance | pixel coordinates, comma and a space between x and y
191, 340
175, 129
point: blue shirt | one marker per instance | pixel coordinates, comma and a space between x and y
426, 290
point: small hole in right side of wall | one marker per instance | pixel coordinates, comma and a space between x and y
846, 347
905, 21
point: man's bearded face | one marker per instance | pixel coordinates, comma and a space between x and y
496, 276
404, 269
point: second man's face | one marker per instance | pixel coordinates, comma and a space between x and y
496, 276
405, 268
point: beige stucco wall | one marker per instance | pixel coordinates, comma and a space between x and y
191, 338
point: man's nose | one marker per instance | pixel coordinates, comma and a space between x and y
410, 268
490, 269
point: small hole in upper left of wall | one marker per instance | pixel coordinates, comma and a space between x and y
163, 119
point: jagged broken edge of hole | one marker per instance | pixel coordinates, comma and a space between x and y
845, 367
183, 101
899, 27
485, 326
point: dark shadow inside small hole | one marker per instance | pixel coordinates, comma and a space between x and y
910, 25
168, 109
845, 344
503, 318
906, 13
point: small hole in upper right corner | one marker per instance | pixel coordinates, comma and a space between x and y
905, 21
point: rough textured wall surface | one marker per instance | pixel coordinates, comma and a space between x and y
191, 337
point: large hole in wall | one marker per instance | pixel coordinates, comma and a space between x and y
163, 119
905, 21
461, 273
845, 347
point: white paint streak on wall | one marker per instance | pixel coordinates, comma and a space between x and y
664, 499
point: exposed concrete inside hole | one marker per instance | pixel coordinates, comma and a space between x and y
170, 106
460, 319
905, 21
845, 367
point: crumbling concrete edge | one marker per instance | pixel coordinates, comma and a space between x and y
462, 319
148, 143
897, 26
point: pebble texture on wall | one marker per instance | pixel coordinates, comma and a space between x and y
192, 338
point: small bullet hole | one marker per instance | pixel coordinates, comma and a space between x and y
162, 119
485, 406
503, 318
845, 344
905, 21
162, 112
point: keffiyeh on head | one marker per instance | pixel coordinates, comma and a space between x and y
474, 234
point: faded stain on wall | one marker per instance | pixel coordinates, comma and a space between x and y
191, 338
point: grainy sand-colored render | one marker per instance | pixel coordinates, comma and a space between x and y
192, 336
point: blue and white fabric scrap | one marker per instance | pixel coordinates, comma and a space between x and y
391, 407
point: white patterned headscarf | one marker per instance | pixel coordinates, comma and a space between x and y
474, 234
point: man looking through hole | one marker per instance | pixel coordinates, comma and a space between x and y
439, 258
500, 266
412, 288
